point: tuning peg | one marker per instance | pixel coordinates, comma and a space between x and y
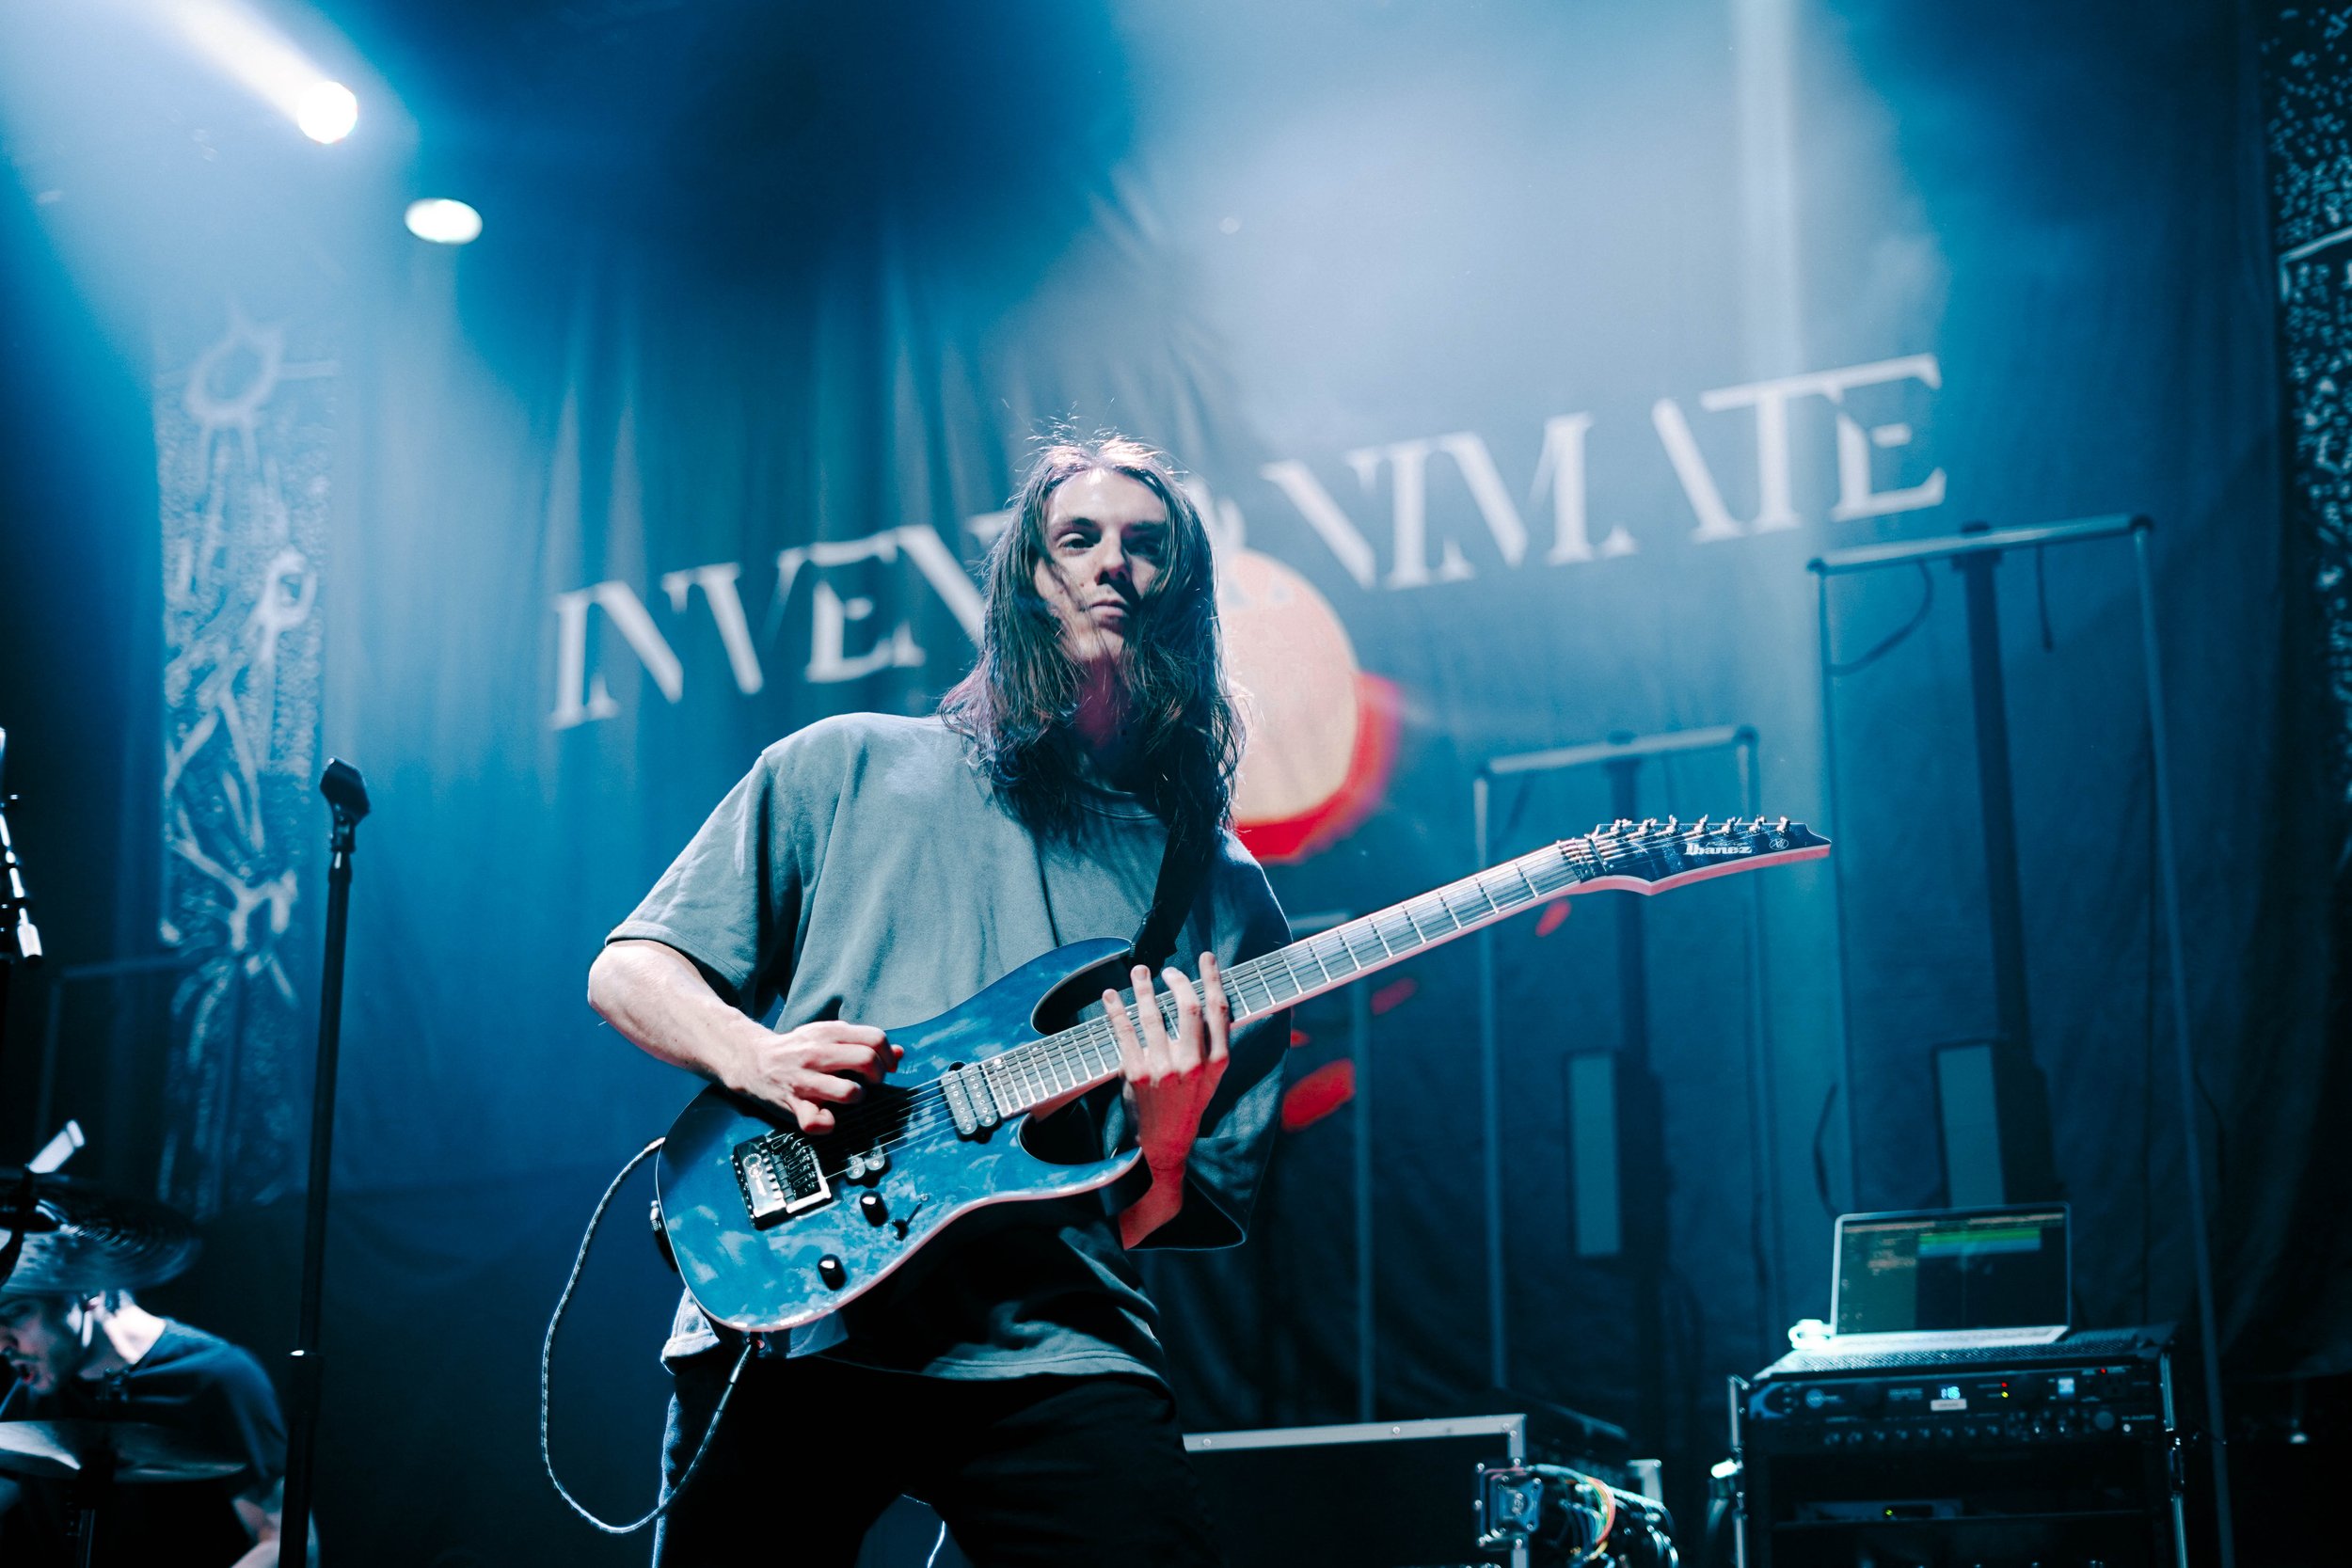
1674, 824
1783, 826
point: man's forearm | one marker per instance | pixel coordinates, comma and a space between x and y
656, 997
264, 1520
263, 1553
1160, 1203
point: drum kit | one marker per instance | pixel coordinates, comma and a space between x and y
62, 1236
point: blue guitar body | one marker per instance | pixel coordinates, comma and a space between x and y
771, 1227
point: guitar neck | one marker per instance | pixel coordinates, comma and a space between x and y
1087, 1053
1347, 952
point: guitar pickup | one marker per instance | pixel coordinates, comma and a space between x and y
780, 1176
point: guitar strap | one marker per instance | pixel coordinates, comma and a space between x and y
1183, 865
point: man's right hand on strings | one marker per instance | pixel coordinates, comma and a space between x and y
656, 996
810, 1070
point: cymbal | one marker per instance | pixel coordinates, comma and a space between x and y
66, 1450
83, 1237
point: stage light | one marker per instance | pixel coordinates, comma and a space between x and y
239, 41
444, 221
327, 111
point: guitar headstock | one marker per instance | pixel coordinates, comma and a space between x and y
1652, 854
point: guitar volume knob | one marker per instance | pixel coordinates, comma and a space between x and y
829, 1269
873, 1208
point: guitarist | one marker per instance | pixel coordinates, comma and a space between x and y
874, 868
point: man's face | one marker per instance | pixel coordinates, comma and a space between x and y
1105, 539
39, 1342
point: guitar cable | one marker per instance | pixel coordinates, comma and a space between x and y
546, 1361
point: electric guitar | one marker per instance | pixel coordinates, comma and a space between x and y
772, 1228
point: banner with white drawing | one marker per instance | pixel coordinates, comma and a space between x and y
245, 442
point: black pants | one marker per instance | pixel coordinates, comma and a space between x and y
1029, 1472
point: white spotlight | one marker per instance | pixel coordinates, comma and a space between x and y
327, 111
444, 221
237, 39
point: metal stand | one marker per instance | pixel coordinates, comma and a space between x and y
1359, 1053
20, 938
19, 943
2028, 1166
348, 795
1622, 757
2175, 1500
1997, 792
90, 1492
1976, 552
1736, 1397
1360, 1059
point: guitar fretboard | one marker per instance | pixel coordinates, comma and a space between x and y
1087, 1053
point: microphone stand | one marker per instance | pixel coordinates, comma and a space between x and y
19, 943
20, 938
346, 793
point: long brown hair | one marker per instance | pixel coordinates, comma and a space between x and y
1017, 704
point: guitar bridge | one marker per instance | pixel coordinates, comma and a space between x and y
780, 1176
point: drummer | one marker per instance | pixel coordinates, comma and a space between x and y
107, 1358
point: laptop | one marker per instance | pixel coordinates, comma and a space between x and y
1936, 1279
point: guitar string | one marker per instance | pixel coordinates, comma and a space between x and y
919, 1116
924, 1113
1073, 1048
1070, 1050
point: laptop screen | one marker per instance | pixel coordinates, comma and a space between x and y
1950, 1269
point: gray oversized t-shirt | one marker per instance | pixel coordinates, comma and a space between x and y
865, 870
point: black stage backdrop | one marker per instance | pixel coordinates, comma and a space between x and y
1545, 346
